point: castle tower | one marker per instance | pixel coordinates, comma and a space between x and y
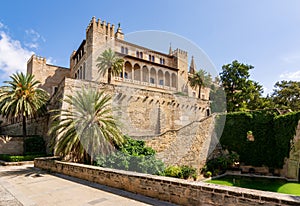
192, 66
181, 61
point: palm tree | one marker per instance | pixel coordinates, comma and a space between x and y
199, 80
22, 97
110, 63
87, 128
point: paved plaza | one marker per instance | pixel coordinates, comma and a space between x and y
26, 185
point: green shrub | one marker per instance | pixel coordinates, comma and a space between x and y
19, 158
34, 145
183, 172
133, 155
208, 174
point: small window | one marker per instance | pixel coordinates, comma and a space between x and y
54, 90
141, 54
137, 54
151, 80
163, 61
126, 50
149, 57
161, 82
122, 49
153, 58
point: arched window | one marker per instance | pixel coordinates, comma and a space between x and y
137, 72
167, 79
128, 70
174, 80
149, 57
145, 74
152, 76
126, 50
122, 49
160, 77
153, 58
141, 54
137, 54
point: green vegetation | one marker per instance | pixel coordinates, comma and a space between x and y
19, 158
132, 155
87, 130
272, 135
34, 145
265, 184
199, 80
22, 97
220, 164
183, 172
110, 63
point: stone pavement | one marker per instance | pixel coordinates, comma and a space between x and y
28, 186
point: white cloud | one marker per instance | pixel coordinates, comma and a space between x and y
13, 57
290, 76
33, 39
1, 25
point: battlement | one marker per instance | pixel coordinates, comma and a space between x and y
38, 59
101, 26
180, 53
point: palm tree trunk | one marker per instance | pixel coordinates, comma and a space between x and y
24, 126
109, 76
199, 94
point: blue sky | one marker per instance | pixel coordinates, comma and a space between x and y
263, 33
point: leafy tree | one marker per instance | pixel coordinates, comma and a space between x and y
241, 93
87, 128
22, 97
286, 95
199, 80
110, 63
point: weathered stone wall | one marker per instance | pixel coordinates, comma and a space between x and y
11, 145
143, 112
49, 75
177, 191
189, 145
35, 126
292, 164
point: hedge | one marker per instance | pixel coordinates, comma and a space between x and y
272, 136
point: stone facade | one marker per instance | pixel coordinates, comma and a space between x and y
181, 192
291, 168
11, 145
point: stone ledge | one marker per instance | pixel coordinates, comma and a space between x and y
174, 190
3, 163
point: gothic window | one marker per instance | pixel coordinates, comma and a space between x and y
153, 58
137, 54
149, 57
141, 54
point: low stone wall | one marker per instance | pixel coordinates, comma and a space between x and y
177, 191
11, 145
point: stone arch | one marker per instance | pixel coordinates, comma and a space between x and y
160, 77
174, 80
153, 76
167, 79
137, 72
145, 74
128, 70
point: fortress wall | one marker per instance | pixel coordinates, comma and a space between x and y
144, 112
178, 191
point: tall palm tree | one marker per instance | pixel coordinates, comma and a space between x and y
110, 63
199, 80
22, 97
87, 128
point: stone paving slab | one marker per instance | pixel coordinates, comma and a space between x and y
29, 186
